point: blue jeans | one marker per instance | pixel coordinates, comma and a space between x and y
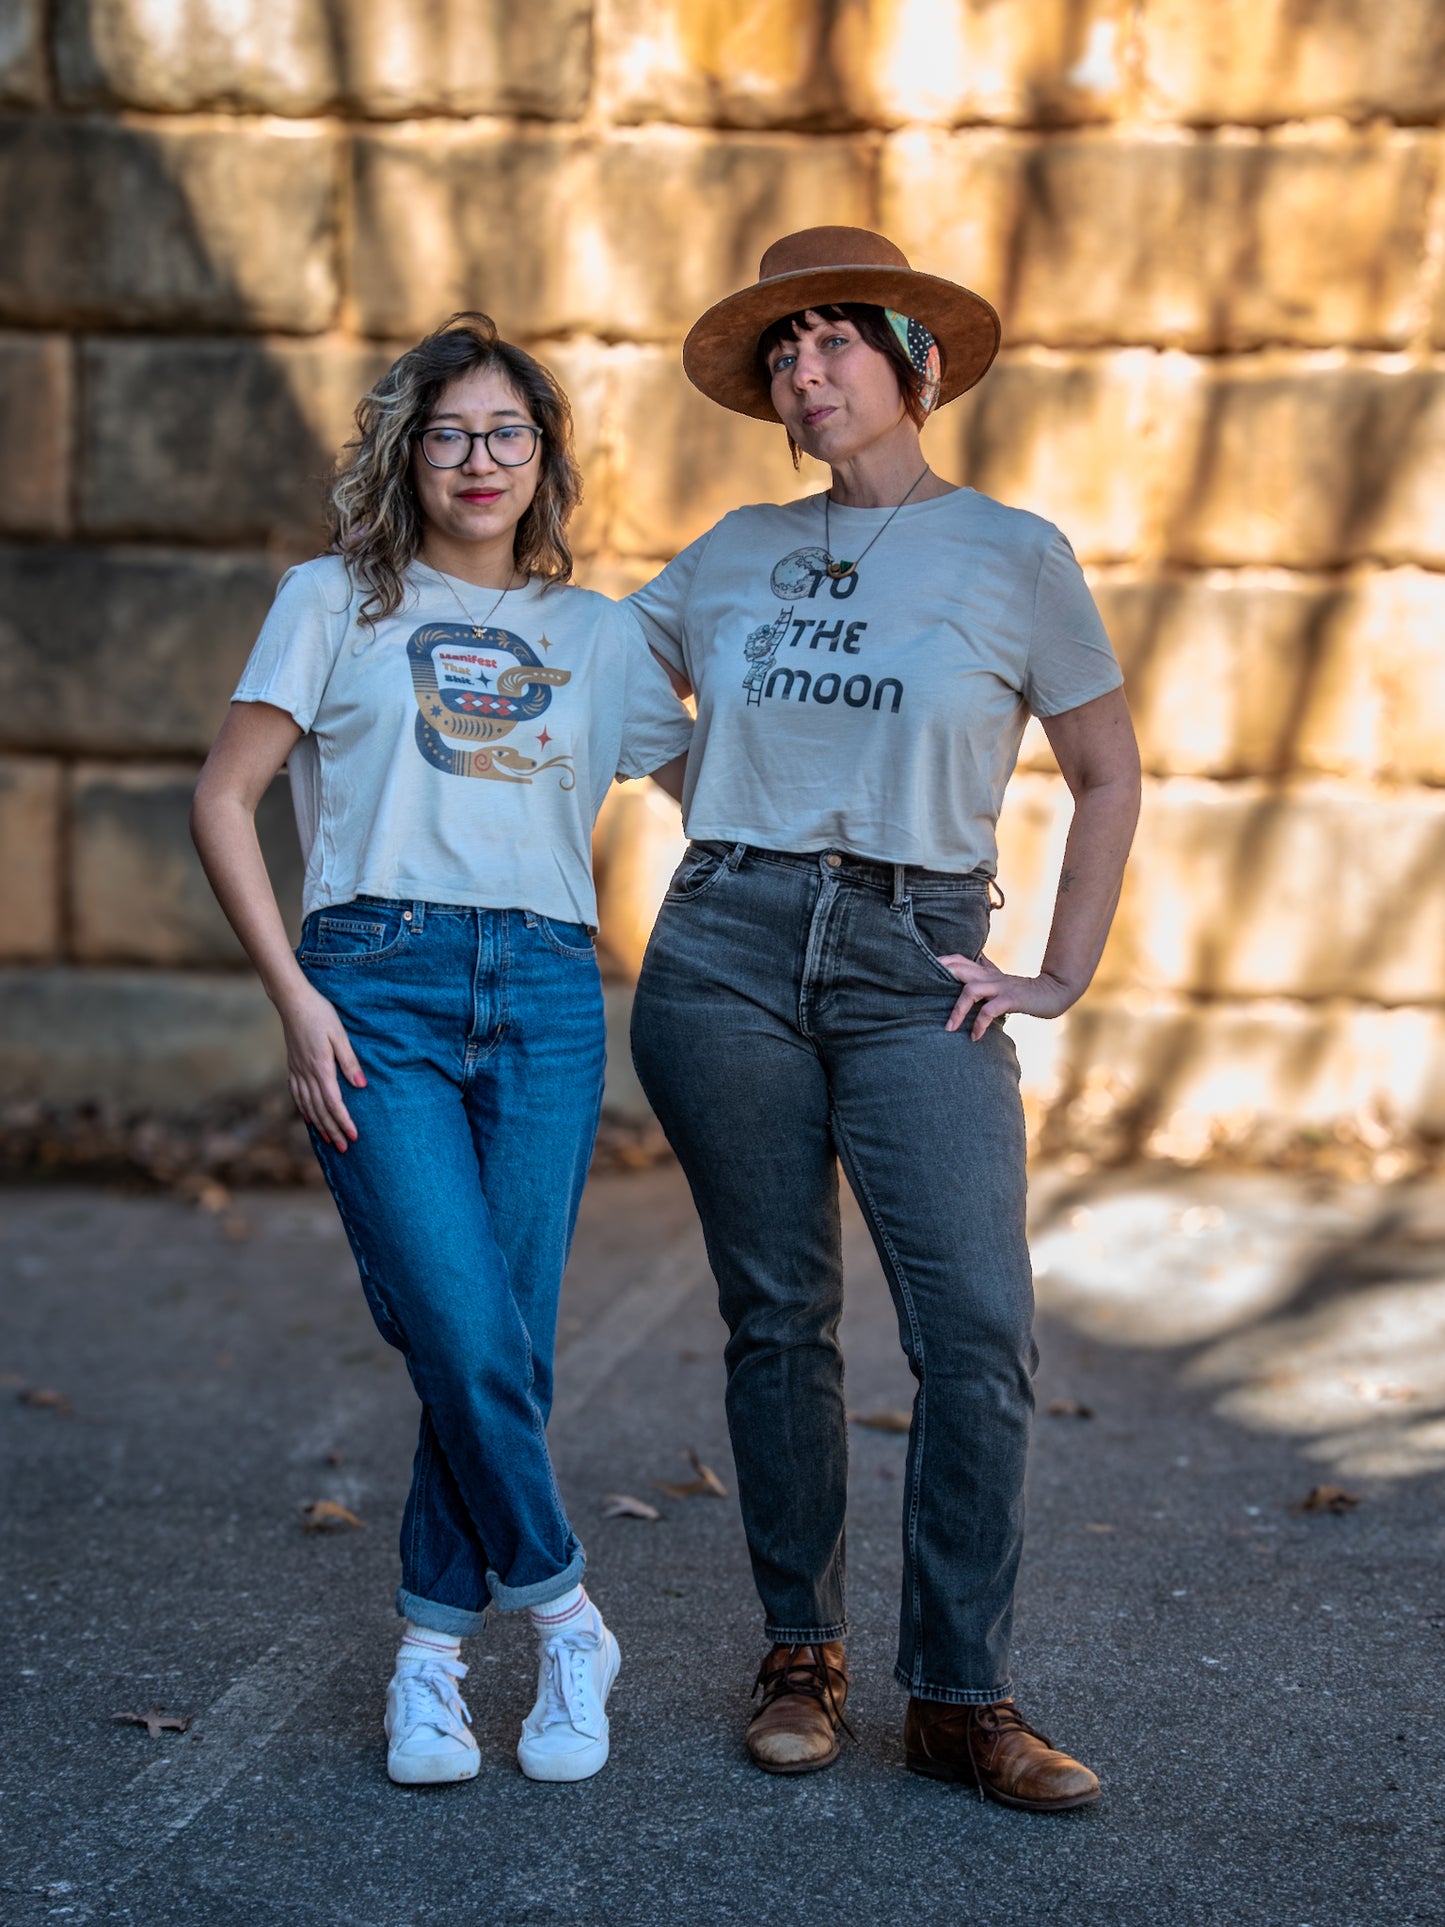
481, 1036
790, 1014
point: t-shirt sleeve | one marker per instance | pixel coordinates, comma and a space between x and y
661, 606
1071, 659
655, 725
296, 650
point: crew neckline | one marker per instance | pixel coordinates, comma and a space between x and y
903, 510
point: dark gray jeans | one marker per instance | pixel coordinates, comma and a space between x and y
789, 1015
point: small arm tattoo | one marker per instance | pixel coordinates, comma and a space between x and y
1066, 883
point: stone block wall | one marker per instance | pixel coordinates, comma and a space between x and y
1216, 235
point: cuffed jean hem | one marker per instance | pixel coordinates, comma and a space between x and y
955, 1695
511, 1599
455, 1620
804, 1635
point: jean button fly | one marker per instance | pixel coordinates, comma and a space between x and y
833, 860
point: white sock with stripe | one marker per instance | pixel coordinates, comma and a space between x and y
572, 1611
421, 1643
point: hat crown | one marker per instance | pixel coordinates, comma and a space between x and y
830, 247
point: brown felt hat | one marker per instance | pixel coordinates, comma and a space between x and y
821, 267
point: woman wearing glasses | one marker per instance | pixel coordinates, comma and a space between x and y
452, 712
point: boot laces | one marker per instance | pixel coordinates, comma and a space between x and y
812, 1678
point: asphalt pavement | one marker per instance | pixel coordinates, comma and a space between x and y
1259, 1686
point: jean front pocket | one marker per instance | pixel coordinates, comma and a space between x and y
699, 871
353, 933
951, 924
568, 939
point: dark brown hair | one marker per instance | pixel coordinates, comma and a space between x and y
374, 518
873, 327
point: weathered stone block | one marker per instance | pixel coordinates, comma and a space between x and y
137, 1038
914, 60
378, 57
1382, 711
1326, 890
722, 63
738, 63
1225, 673
1175, 1070
23, 78
1247, 890
1097, 443
1313, 462
225, 440
35, 429
1252, 673
125, 226
138, 893
641, 232
124, 650
1272, 60
1183, 241
31, 801
681, 461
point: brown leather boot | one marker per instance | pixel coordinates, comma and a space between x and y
994, 1749
804, 1689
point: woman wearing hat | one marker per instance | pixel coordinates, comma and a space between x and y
816, 988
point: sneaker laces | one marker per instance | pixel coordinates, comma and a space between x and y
567, 1695
429, 1697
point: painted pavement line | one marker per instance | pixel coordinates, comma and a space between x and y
164, 1798
590, 1359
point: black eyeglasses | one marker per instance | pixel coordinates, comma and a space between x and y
511, 446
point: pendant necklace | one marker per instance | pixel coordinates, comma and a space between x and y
477, 627
837, 570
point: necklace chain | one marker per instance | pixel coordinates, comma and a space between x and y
477, 626
837, 570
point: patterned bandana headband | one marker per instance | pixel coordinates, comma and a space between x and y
922, 351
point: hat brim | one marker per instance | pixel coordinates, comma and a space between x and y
720, 353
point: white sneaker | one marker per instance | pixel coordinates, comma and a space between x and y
427, 1724
565, 1736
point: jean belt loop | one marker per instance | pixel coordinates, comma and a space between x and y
418, 916
900, 885
735, 856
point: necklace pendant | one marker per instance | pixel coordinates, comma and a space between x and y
837, 570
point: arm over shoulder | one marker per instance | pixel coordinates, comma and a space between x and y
660, 606
656, 729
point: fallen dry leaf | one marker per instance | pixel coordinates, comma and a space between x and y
882, 1421
707, 1484
1327, 1498
325, 1515
1094, 1525
235, 1229
46, 1400
622, 1505
213, 1196
155, 1721
1070, 1408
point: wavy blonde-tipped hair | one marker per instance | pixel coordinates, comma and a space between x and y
374, 518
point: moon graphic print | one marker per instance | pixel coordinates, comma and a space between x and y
473, 688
